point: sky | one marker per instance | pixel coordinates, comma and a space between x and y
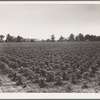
40, 21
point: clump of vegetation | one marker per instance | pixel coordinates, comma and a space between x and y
43, 72
42, 82
0, 82
65, 76
85, 75
11, 73
98, 79
36, 78
50, 76
69, 88
73, 79
59, 81
85, 85
20, 80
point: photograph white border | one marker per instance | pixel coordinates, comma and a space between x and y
49, 2
49, 95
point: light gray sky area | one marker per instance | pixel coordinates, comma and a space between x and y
42, 20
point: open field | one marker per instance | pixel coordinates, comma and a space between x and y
50, 67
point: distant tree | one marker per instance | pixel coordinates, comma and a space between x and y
19, 39
98, 38
9, 38
52, 38
80, 37
87, 37
76, 38
1, 38
42, 40
48, 40
61, 39
71, 37
32, 40
15, 39
93, 38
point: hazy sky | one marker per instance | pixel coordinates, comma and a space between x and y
42, 20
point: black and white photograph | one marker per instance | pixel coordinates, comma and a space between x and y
49, 47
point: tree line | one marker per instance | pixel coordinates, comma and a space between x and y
79, 37
10, 38
72, 37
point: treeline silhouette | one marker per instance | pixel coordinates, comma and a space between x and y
72, 37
